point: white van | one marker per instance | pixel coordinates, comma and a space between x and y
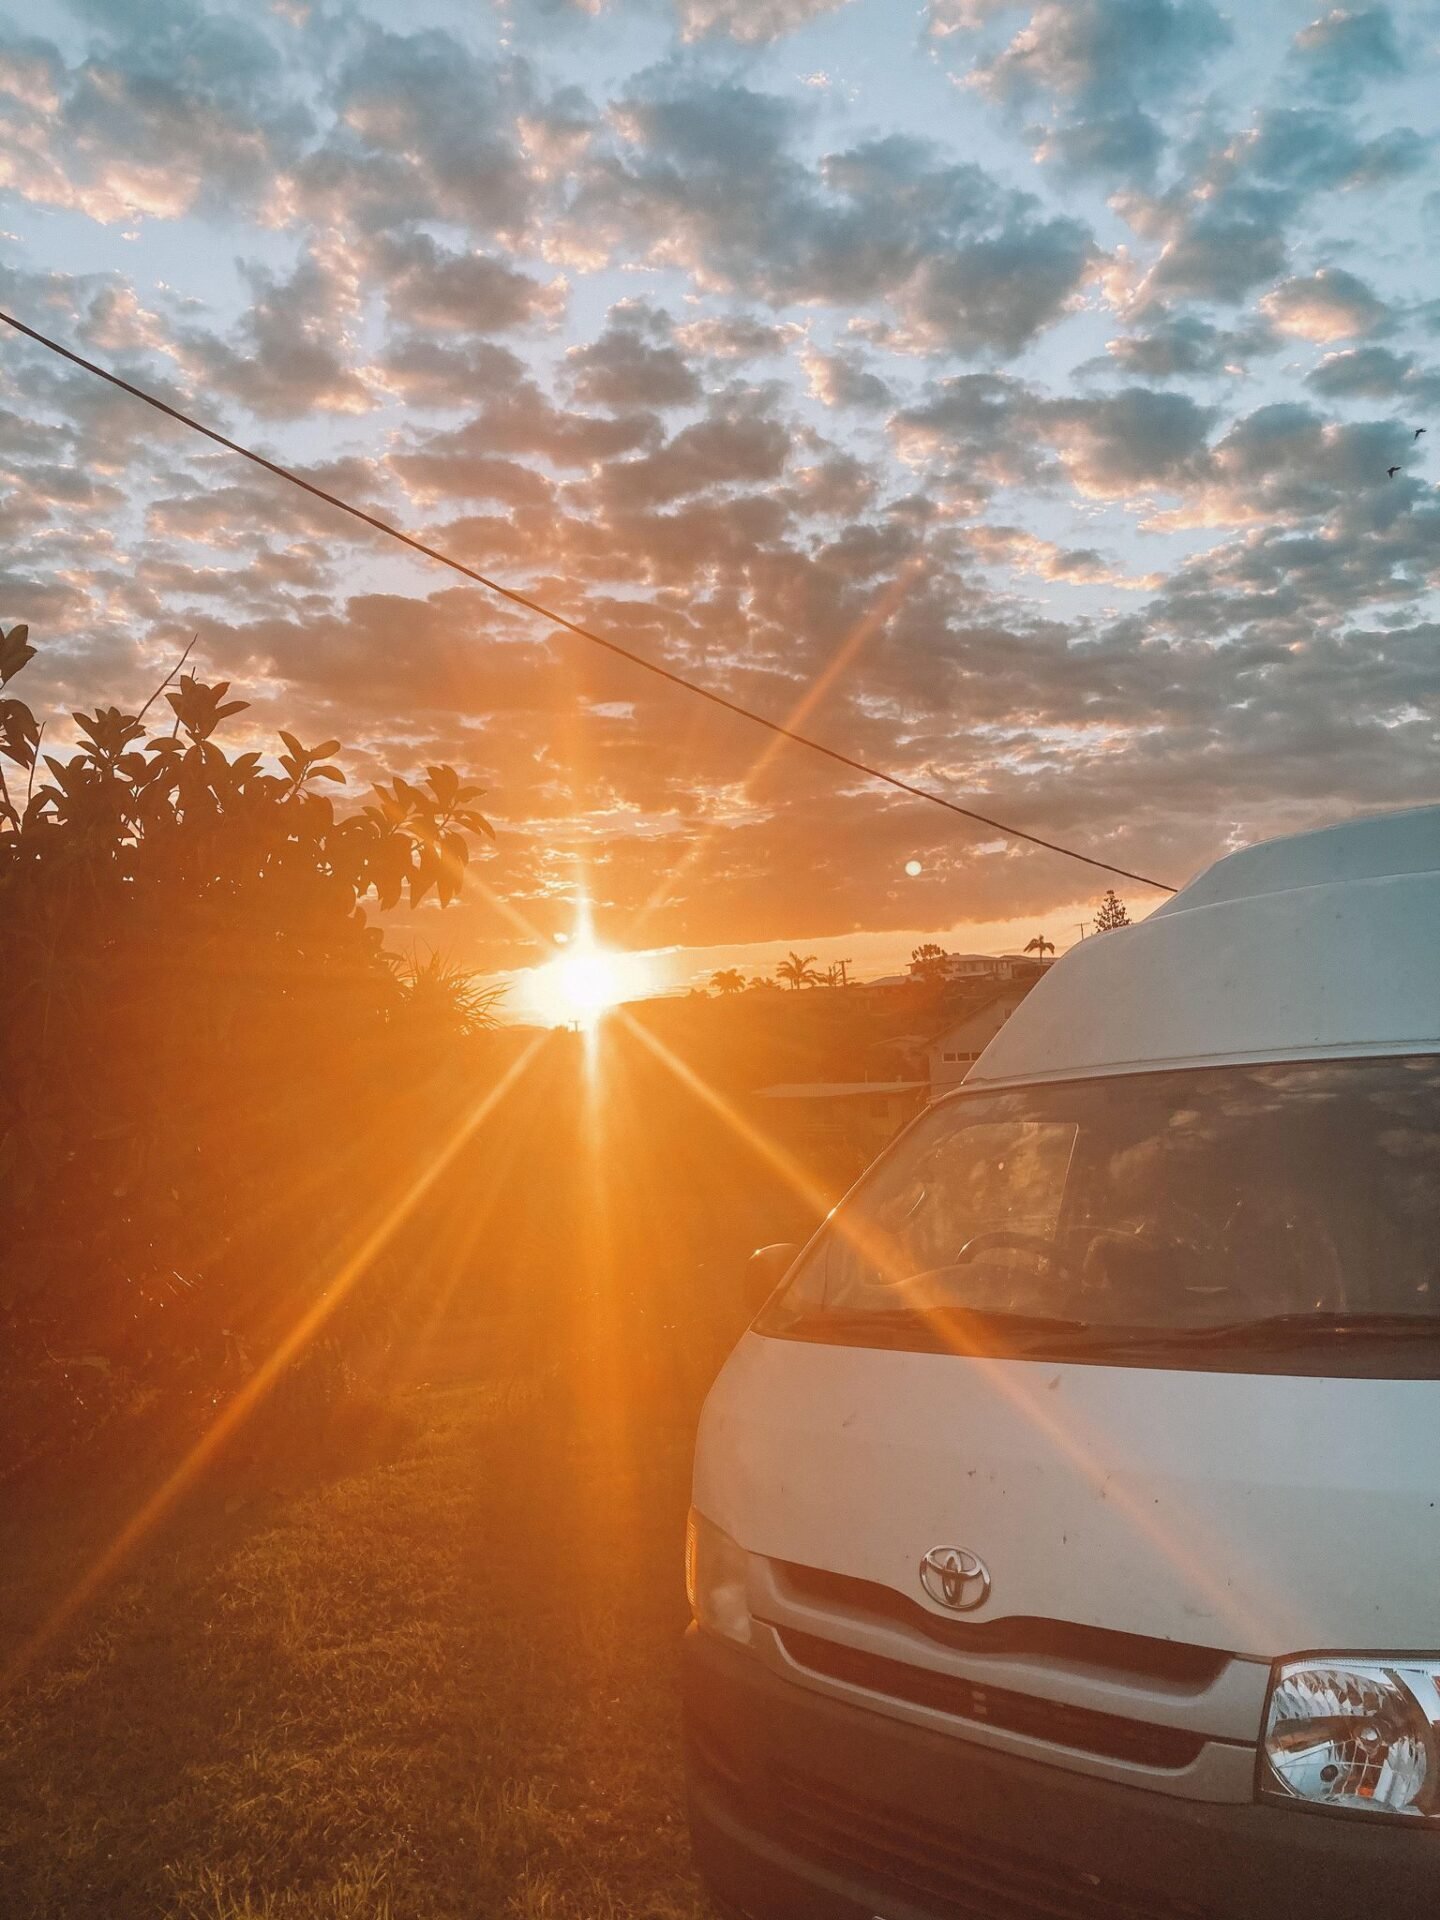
1066, 1530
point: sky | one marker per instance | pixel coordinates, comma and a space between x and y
1004, 394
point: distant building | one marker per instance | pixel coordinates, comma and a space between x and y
953, 1052
978, 967
858, 1114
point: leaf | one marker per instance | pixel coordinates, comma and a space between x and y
19, 733
15, 652
293, 744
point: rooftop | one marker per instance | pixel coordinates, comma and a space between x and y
838, 1089
1305, 948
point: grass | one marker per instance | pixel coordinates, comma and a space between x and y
437, 1686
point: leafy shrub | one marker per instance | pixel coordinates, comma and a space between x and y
209, 1065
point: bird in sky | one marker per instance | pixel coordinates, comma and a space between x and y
1419, 431
1390, 472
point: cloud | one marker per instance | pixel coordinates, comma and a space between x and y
737, 337
706, 177
944, 17
1311, 150
1188, 345
841, 379
738, 443
511, 417
1128, 441
1376, 373
425, 129
1103, 65
430, 286
1225, 229
739, 474
750, 21
172, 111
290, 353
633, 363
971, 434
1329, 305
1338, 55
434, 373
1215, 250
1287, 463
1027, 552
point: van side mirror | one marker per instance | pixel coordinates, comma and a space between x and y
765, 1269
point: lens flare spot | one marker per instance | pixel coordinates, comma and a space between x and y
580, 986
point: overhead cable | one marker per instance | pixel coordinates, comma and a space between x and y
567, 625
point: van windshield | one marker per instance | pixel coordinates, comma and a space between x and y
1219, 1208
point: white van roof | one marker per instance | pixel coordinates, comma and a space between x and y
1319, 944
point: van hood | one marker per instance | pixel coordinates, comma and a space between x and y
1263, 1514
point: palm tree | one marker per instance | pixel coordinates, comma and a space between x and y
728, 980
1040, 945
445, 1000
799, 970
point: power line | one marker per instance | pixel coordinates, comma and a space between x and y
569, 626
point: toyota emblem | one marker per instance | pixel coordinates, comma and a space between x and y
955, 1578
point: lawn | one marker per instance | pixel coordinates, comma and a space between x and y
440, 1684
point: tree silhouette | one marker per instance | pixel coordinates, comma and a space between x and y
927, 959
1040, 945
1112, 913
728, 980
209, 1056
799, 970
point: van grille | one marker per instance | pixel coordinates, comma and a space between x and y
1110, 1735
952, 1873
1133, 1655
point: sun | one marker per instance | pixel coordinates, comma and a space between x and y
580, 986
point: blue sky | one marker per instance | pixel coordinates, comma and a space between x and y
1009, 389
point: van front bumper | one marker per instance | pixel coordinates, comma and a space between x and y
806, 1807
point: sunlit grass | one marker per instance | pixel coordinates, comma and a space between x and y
373, 1701
386, 1220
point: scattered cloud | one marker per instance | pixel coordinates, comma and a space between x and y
707, 177
1104, 68
1187, 345
1340, 54
1330, 304
758, 376
751, 21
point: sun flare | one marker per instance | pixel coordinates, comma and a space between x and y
581, 985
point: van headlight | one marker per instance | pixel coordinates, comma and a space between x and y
715, 1580
1356, 1735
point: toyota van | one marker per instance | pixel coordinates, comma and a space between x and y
1066, 1528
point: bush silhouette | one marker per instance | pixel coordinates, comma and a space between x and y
208, 1056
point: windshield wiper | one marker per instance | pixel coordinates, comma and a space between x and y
1275, 1331
963, 1330
948, 1327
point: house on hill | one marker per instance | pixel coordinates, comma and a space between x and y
953, 1052
856, 1116
957, 967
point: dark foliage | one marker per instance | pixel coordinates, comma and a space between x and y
208, 1063
1112, 913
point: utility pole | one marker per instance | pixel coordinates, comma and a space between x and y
837, 967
